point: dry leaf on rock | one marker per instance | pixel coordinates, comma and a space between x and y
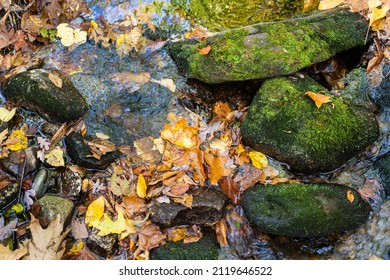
168, 83
78, 229
55, 79
318, 98
70, 36
121, 225
55, 157
205, 50
46, 244
6, 115
217, 167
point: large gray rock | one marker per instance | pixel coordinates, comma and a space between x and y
270, 49
304, 210
35, 91
383, 165
284, 123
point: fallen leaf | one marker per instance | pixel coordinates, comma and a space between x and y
205, 50
359, 5
6, 115
168, 83
70, 36
217, 167
318, 98
329, 4
7, 254
46, 244
259, 160
141, 186
55, 79
222, 109
44, 143
17, 140
78, 229
181, 135
102, 136
230, 188
149, 237
55, 157
221, 230
350, 196
134, 205
119, 186
95, 211
377, 14
121, 226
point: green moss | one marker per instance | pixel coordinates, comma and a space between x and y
286, 124
207, 248
304, 210
274, 49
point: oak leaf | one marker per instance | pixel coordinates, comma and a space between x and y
7, 254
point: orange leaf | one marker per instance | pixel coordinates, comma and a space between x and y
222, 109
205, 50
350, 196
318, 98
217, 167
181, 134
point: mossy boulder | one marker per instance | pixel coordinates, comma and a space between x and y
36, 92
51, 206
207, 248
284, 123
219, 15
304, 210
270, 49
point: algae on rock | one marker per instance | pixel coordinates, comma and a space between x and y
285, 124
270, 49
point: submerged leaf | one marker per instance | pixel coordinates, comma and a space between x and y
181, 135
259, 160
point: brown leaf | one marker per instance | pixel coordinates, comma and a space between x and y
220, 230
217, 167
230, 188
78, 229
149, 237
46, 244
55, 79
222, 109
7, 254
205, 50
134, 205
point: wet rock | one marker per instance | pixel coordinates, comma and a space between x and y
101, 245
381, 93
21, 162
80, 153
207, 248
207, 207
8, 194
270, 49
49, 128
284, 123
383, 165
71, 183
40, 183
51, 206
304, 210
371, 240
227, 14
36, 92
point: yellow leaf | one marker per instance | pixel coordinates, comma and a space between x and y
95, 211
350, 196
141, 186
181, 135
377, 14
318, 98
122, 226
55, 79
17, 140
259, 160
373, 4
102, 136
329, 4
55, 157
6, 115
70, 36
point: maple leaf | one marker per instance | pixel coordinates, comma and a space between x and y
17, 140
44, 143
217, 167
46, 244
181, 135
318, 98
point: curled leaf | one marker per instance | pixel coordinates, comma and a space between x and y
318, 98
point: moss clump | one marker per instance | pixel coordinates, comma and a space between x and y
207, 248
284, 123
220, 15
271, 49
304, 210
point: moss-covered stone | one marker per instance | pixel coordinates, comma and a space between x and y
284, 123
52, 205
219, 15
270, 49
304, 210
207, 248
34, 91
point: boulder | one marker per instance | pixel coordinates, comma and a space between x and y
51, 206
284, 123
8, 194
35, 91
304, 210
383, 165
270, 49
